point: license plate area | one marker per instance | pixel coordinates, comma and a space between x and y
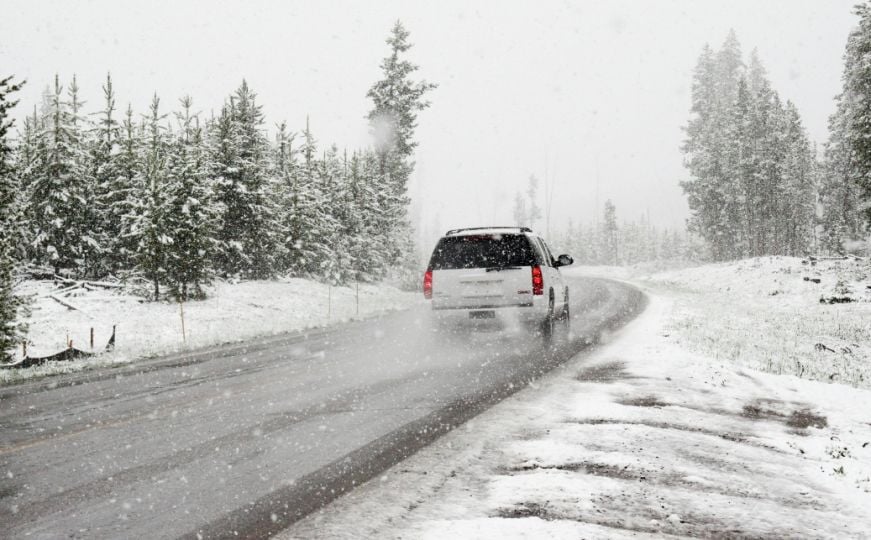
488, 314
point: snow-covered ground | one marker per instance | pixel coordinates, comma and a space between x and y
656, 433
774, 314
232, 312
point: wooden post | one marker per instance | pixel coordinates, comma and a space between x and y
24, 349
181, 310
92, 338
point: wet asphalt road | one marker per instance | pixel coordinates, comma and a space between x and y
243, 440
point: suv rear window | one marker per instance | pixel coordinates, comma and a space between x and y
482, 251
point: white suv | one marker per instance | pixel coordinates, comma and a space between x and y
497, 272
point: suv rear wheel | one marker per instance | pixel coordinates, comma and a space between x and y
549, 322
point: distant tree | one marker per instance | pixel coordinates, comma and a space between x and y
534, 211
609, 234
521, 216
10, 303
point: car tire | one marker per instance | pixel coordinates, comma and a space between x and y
547, 325
567, 312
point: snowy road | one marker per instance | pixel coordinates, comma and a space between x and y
247, 439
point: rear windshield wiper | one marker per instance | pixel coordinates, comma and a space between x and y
500, 268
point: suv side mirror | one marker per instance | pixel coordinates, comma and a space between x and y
564, 260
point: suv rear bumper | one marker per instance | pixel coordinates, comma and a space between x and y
534, 311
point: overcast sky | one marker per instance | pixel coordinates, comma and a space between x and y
577, 90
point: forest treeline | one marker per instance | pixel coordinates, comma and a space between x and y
757, 185
615, 242
170, 199
176, 198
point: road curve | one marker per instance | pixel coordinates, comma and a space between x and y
243, 440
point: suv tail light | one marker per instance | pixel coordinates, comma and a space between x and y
537, 281
427, 284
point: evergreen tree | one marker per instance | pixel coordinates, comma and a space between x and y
313, 222
10, 304
846, 193
190, 216
751, 187
521, 216
800, 187
111, 186
85, 222
283, 173
148, 220
27, 163
857, 100
125, 195
57, 197
364, 249
534, 212
239, 158
840, 195
396, 101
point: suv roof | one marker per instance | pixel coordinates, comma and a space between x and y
487, 230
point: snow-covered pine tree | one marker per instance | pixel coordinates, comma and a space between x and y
10, 328
191, 216
57, 195
257, 205
111, 188
240, 167
799, 186
396, 101
128, 191
846, 184
336, 267
741, 144
282, 173
148, 220
857, 97
313, 224
707, 189
362, 220
27, 163
223, 175
840, 194
86, 221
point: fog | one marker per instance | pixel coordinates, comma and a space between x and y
590, 96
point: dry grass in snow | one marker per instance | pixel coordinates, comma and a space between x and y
777, 314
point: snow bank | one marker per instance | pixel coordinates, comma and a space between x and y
232, 312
